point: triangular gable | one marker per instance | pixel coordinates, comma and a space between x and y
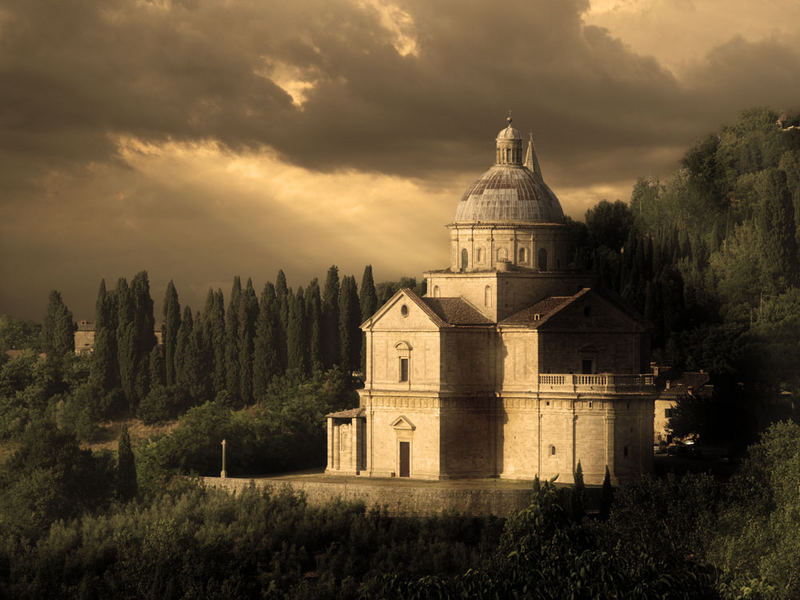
616, 305
548, 310
402, 423
414, 300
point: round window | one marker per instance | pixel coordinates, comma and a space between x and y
404, 310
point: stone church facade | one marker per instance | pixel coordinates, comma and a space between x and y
513, 365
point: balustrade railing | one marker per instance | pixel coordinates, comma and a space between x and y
610, 382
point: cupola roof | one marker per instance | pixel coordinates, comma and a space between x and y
512, 190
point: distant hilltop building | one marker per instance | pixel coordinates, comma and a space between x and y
84, 337
513, 365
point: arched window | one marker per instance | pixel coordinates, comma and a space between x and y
542, 259
464, 259
436, 292
403, 361
502, 254
523, 255
479, 255
487, 295
552, 450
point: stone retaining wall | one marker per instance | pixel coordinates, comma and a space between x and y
407, 500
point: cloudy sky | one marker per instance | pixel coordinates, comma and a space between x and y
198, 139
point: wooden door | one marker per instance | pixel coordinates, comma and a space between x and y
405, 459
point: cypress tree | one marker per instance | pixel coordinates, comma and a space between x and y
777, 229
232, 342
368, 302
314, 324
104, 373
248, 314
349, 319
200, 358
330, 319
296, 334
172, 322
126, 355
282, 293
216, 325
126, 342
58, 328
127, 486
578, 494
143, 318
265, 356
606, 497
184, 359
156, 367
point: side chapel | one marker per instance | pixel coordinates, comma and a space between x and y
513, 365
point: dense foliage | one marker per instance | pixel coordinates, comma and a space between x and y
710, 257
63, 534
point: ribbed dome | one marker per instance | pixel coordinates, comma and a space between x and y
509, 193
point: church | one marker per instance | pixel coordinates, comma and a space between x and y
513, 365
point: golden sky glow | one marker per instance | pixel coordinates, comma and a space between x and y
201, 139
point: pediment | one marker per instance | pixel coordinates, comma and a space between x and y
593, 311
405, 311
403, 424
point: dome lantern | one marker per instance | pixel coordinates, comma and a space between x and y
509, 146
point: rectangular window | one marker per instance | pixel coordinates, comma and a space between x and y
403, 369
587, 366
667, 412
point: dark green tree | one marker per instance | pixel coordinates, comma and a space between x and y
192, 358
58, 328
282, 299
776, 227
609, 224
265, 354
172, 322
104, 369
282, 293
330, 319
127, 486
314, 324
606, 496
349, 320
578, 496
214, 322
144, 327
296, 335
156, 363
368, 302
126, 355
248, 314
232, 371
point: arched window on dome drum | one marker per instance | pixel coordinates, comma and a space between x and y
523, 255
542, 259
479, 255
436, 292
487, 295
464, 259
502, 254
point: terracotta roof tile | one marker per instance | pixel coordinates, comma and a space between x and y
534, 315
348, 414
456, 311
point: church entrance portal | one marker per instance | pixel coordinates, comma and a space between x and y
405, 459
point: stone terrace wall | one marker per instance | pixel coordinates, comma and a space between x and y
402, 500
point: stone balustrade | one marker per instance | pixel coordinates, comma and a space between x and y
597, 382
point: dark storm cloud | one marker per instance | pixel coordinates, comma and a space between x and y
74, 72
78, 76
